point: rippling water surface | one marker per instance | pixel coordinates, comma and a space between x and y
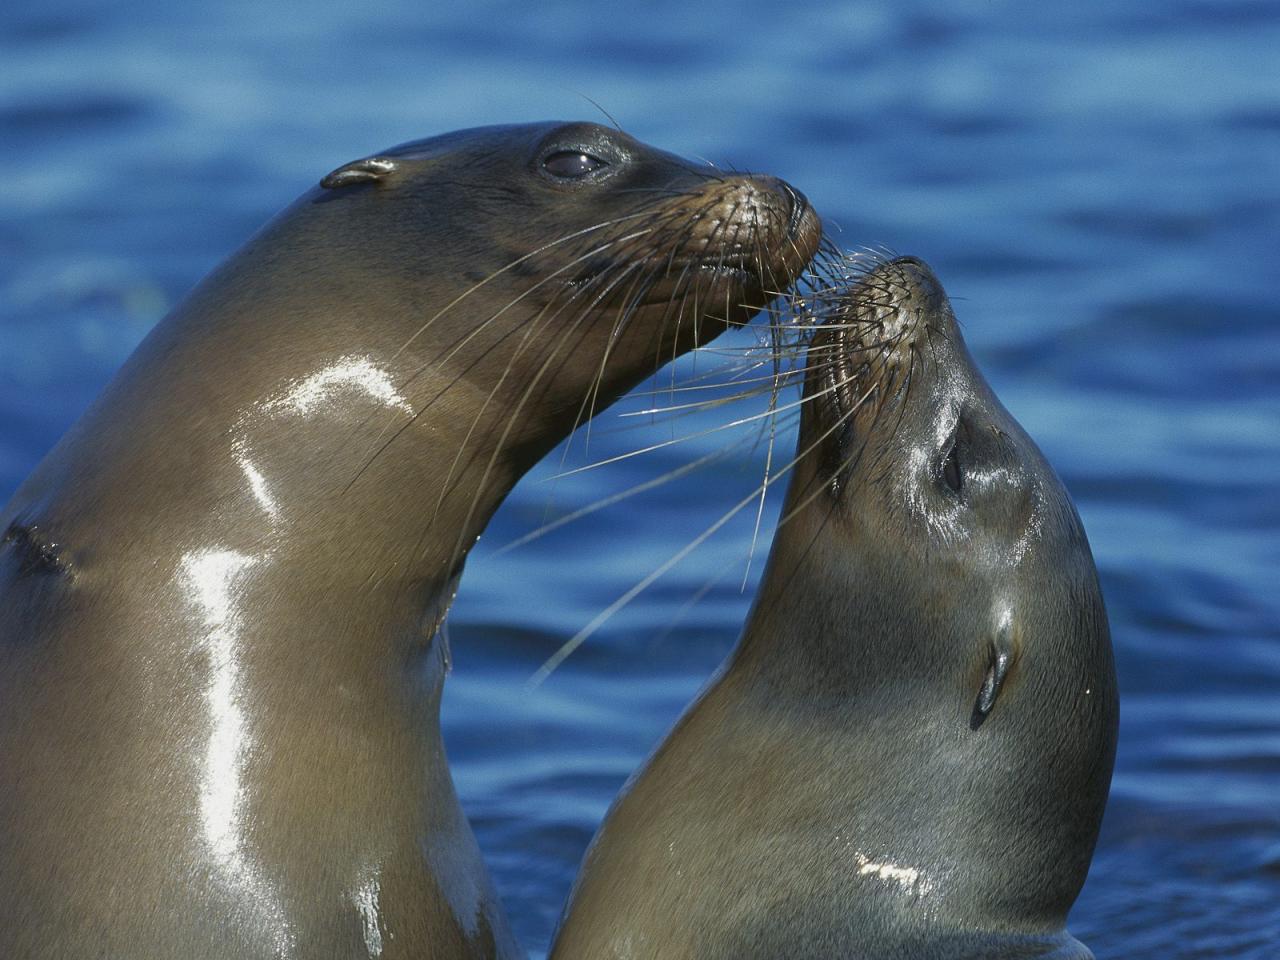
1095, 185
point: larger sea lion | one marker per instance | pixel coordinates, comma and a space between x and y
219, 665
908, 753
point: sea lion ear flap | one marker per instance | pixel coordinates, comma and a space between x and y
368, 170
1001, 659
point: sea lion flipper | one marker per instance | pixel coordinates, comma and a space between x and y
366, 170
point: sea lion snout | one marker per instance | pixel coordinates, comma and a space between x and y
760, 225
771, 203
896, 303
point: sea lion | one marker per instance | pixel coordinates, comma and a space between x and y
908, 752
220, 669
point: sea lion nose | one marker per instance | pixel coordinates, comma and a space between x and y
799, 207
776, 194
787, 217
917, 279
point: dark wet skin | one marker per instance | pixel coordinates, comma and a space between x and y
909, 751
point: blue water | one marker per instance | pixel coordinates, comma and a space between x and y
1097, 185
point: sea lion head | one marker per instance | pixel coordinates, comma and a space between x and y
959, 606
403, 343
595, 256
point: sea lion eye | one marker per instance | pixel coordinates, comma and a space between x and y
951, 469
571, 164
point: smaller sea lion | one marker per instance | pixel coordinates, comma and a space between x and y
908, 753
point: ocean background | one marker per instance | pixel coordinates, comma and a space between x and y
1096, 184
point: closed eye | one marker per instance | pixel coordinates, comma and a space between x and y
951, 472
571, 164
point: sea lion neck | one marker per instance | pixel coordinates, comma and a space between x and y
827, 625
329, 439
